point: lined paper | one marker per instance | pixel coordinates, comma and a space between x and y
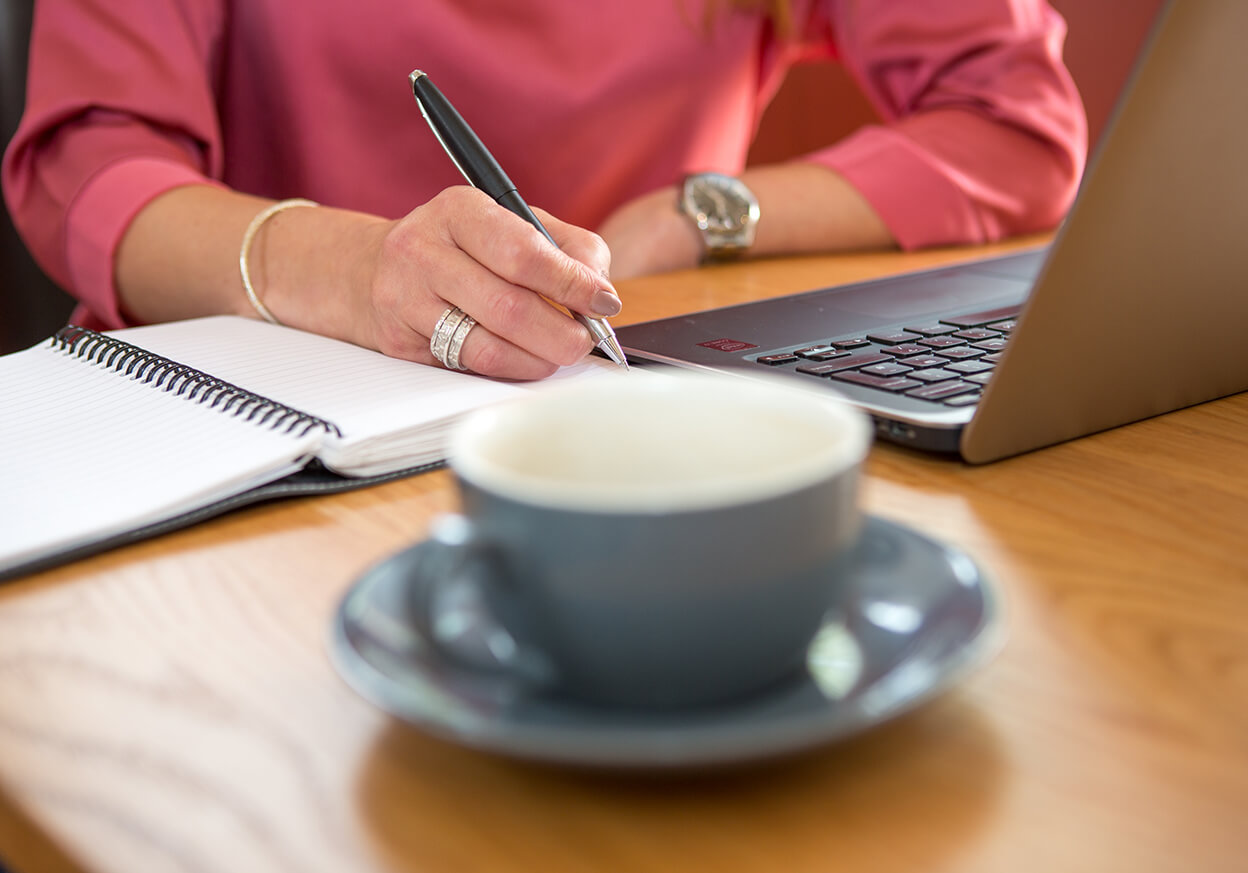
88, 454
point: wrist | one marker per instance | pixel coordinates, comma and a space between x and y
682, 233
244, 255
313, 266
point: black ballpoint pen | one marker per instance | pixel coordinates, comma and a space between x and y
481, 170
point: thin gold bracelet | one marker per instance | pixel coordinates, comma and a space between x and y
245, 251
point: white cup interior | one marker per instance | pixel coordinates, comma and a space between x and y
659, 442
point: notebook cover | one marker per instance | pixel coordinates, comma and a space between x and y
312, 479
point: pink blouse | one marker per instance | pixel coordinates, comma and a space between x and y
586, 104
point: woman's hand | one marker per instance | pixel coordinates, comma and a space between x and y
461, 249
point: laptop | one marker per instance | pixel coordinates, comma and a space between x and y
1138, 306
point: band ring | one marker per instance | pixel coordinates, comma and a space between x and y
457, 342
444, 332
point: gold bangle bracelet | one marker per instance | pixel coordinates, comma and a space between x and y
244, 252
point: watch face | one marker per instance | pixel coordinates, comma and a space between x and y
716, 204
725, 212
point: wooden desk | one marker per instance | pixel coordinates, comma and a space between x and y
171, 707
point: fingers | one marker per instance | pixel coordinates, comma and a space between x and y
580, 244
463, 250
548, 338
458, 342
574, 275
516, 327
455, 251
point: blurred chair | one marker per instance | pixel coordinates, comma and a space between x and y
31, 306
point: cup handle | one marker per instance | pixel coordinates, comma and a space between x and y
448, 601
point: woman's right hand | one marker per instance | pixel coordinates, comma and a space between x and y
461, 249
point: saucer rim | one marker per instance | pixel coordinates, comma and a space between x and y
708, 737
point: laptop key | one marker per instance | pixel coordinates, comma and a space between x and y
963, 399
905, 349
942, 342
849, 362
1004, 326
932, 374
888, 368
924, 360
813, 351
892, 337
959, 353
776, 360
825, 355
977, 333
969, 366
894, 383
941, 390
850, 342
990, 345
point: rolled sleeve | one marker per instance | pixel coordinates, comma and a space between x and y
914, 195
98, 217
983, 134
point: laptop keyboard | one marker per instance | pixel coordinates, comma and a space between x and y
946, 362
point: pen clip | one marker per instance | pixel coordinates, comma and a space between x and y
413, 77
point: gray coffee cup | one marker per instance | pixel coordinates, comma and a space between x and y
646, 540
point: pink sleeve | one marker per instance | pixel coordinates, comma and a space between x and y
119, 110
983, 132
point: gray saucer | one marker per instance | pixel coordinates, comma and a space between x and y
924, 615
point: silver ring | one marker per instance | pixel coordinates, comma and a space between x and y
457, 342
440, 339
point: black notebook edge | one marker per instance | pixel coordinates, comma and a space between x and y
312, 480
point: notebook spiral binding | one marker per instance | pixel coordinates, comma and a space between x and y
183, 381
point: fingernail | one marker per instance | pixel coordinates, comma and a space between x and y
605, 303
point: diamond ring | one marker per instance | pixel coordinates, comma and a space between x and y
444, 331
457, 342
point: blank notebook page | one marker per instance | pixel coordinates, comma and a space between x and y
88, 453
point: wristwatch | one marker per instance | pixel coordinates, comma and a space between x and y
725, 212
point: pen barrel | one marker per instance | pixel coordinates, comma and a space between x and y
460, 141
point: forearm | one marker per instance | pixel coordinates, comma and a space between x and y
807, 208
180, 259
804, 208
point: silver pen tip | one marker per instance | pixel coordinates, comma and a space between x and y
611, 348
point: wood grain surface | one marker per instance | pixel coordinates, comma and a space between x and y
170, 706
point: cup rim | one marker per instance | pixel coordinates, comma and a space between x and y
825, 408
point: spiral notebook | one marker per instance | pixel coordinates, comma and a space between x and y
114, 437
